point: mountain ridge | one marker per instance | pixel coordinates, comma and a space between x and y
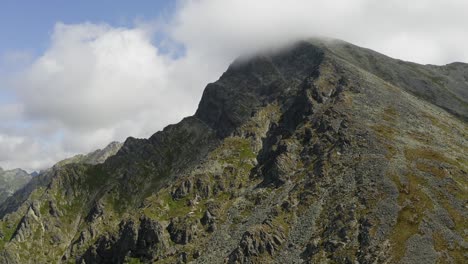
296, 156
28, 185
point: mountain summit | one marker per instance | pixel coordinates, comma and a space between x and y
323, 152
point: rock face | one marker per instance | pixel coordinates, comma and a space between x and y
323, 152
257, 243
145, 242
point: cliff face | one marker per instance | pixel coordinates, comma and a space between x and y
322, 152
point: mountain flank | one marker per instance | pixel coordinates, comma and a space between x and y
23, 183
322, 152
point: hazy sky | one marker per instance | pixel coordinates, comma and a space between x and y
75, 75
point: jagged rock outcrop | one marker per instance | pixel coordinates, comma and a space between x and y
322, 152
145, 242
182, 230
261, 241
209, 221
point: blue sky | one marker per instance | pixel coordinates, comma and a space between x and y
27, 25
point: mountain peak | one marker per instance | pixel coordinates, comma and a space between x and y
319, 152
249, 84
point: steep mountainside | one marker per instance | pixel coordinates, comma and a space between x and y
323, 152
33, 181
12, 180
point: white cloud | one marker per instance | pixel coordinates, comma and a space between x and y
397, 27
93, 85
93, 76
98, 83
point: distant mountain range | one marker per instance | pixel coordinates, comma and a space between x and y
322, 152
12, 180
